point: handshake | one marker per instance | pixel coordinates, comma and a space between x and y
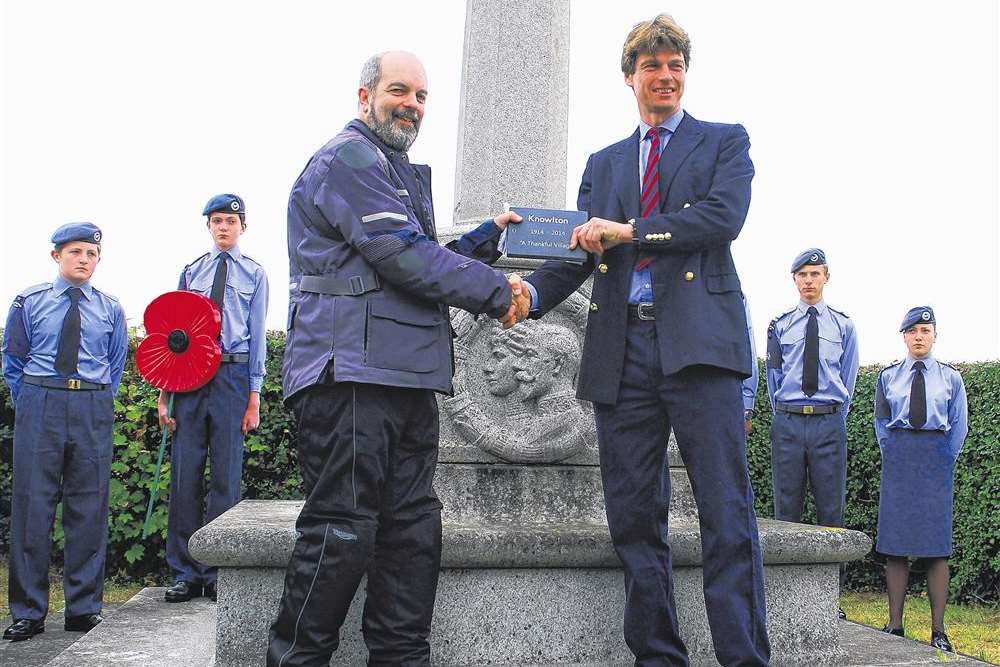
520, 302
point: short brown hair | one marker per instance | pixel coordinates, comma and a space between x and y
649, 37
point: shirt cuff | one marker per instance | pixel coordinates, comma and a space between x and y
256, 382
534, 296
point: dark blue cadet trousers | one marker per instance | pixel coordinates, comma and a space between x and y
809, 449
703, 405
209, 426
62, 451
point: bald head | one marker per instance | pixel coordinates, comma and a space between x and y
391, 96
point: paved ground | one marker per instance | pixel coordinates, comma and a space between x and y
147, 632
44, 647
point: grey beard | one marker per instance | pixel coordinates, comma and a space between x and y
397, 137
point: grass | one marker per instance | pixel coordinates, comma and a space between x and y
113, 591
973, 629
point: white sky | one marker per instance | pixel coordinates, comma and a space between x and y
873, 124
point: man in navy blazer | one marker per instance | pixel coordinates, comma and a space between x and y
667, 347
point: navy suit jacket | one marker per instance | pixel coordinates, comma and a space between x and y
705, 174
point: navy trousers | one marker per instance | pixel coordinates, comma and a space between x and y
62, 451
367, 455
209, 426
704, 407
813, 449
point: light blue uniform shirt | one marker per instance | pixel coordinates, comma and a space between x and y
947, 407
244, 308
838, 357
41, 311
750, 384
641, 287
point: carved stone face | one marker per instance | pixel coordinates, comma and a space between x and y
536, 371
498, 370
531, 360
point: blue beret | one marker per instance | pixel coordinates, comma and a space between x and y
918, 315
77, 231
809, 257
227, 202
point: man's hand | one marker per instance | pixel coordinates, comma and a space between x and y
503, 219
597, 235
161, 411
251, 418
520, 302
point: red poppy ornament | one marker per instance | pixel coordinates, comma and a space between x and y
181, 349
180, 353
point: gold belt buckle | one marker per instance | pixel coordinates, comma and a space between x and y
807, 409
72, 384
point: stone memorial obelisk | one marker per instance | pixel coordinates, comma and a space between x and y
514, 107
529, 575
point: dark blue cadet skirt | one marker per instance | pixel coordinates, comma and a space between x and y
915, 503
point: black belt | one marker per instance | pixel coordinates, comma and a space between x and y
641, 311
337, 286
827, 409
63, 383
235, 358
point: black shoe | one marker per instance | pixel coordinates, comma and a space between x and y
893, 631
84, 623
211, 592
182, 591
24, 628
841, 615
939, 640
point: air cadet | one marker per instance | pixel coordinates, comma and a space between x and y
812, 363
749, 387
64, 350
369, 344
211, 422
921, 419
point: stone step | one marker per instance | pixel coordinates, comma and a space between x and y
261, 533
859, 645
40, 649
148, 632
514, 592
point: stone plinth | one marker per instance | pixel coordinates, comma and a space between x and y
534, 592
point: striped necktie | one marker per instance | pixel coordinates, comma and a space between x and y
649, 200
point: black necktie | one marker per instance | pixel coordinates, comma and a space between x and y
810, 365
219, 283
68, 353
918, 397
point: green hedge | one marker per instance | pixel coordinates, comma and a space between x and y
975, 564
270, 471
